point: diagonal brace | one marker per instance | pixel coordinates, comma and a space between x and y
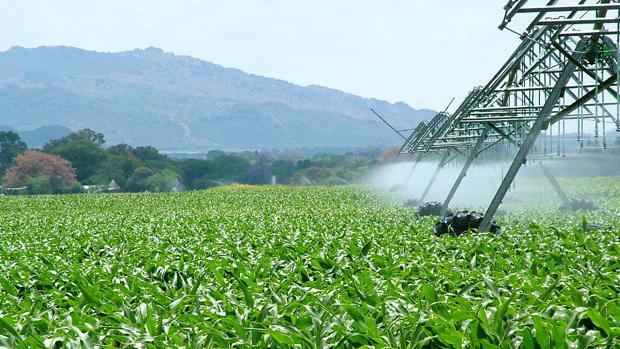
537, 126
470, 159
442, 163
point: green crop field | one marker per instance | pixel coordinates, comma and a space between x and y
312, 267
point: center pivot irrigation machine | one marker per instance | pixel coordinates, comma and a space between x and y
565, 70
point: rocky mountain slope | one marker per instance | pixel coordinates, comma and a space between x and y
150, 97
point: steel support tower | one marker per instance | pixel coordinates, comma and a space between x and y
565, 70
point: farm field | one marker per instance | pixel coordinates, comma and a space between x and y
306, 267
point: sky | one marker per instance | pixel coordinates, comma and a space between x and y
422, 52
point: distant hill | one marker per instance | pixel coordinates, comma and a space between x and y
150, 97
38, 137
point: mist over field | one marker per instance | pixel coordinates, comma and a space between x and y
483, 179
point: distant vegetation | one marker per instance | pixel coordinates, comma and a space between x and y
38, 172
80, 162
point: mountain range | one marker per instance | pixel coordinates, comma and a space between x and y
152, 97
38, 137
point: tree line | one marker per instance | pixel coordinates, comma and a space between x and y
80, 161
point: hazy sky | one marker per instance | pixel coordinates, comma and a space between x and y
422, 52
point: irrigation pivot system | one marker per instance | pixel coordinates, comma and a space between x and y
564, 72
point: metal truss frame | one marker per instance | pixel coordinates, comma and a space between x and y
564, 70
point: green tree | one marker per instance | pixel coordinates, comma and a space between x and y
162, 181
153, 159
11, 146
120, 149
232, 168
120, 164
139, 181
86, 135
85, 156
83, 149
283, 170
303, 164
129, 164
194, 172
259, 174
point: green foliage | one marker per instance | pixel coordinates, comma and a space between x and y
40, 184
231, 168
44, 185
283, 170
145, 168
194, 172
259, 175
162, 181
140, 179
85, 157
11, 145
83, 135
304, 164
83, 149
313, 267
151, 157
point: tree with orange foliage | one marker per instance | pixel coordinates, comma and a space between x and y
42, 173
390, 155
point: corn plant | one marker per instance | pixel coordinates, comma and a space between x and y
283, 267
